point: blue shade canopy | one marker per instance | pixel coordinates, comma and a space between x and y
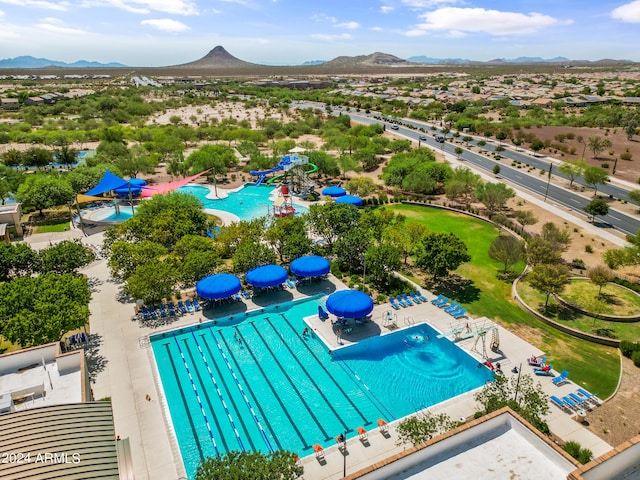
349, 304
310, 266
221, 285
136, 187
108, 182
334, 191
350, 199
267, 276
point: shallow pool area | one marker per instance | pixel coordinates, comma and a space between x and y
247, 203
254, 382
107, 214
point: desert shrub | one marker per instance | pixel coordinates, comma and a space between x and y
635, 356
583, 455
627, 348
588, 249
578, 263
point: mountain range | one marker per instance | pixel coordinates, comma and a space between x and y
219, 58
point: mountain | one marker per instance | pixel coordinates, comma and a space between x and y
376, 59
437, 61
531, 60
33, 62
220, 58
313, 62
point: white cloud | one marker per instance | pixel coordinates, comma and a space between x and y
348, 25
377, 29
427, 3
56, 26
480, 20
629, 12
61, 6
321, 17
325, 37
176, 7
166, 24
386, 9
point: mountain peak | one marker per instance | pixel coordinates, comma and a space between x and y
218, 57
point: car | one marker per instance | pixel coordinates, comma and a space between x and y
422, 138
394, 127
439, 139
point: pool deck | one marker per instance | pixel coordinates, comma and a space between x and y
124, 370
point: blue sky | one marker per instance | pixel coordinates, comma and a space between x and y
288, 32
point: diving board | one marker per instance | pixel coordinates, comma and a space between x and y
455, 332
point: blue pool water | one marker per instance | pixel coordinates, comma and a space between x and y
259, 385
247, 203
108, 214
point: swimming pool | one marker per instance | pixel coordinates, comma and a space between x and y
253, 382
107, 214
248, 203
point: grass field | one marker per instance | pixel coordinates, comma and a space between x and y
486, 295
614, 299
56, 227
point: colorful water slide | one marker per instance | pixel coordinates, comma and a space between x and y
263, 174
314, 169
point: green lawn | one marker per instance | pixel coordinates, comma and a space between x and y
613, 300
572, 319
55, 227
486, 295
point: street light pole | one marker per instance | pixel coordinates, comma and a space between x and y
215, 185
344, 455
546, 192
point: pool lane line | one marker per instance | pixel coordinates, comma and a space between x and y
247, 384
319, 390
215, 384
293, 385
275, 394
344, 363
195, 391
233, 406
184, 400
364, 418
244, 395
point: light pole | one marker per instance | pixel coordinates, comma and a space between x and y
215, 185
546, 192
344, 454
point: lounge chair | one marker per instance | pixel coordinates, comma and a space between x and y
443, 303
394, 305
290, 283
196, 305
579, 400
544, 371
189, 305
421, 296
401, 301
163, 312
560, 379
246, 294
82, 337
322, 313
414, 296
437, 300
406, 298
451, 307
536, 361
558, 402
572, 403
460, 313
182, 307
581, 392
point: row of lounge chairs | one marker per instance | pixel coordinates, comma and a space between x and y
75, 340
170, 309
578, 400
454, 308
406, 300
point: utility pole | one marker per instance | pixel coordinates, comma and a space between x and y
546, 192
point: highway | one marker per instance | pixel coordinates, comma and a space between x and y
623, 222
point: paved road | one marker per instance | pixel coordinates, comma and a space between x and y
614, 219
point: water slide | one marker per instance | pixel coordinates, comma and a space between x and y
314, 169
263, 174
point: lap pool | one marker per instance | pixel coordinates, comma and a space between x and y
253, 382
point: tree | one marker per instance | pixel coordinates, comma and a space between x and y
361, 186
597, 206
596, 144
235, 465
458, 151
496, 170
288, 238
39, 310
381, 261
66, 256
44, 191
525, 217
493, 195
558, 239
461, 183
440, 253
572, 169
507, 250
152, 281
418, 429
548, 279
634, 196
249, 255
17, 259
329, 220
521, 394
600, 276
595, 175
66, 155
347, 164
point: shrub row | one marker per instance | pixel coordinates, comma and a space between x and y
631, 350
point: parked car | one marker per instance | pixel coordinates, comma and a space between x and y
439, 138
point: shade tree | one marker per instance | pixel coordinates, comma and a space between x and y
548, 279
506, 250
596, 207
440, 253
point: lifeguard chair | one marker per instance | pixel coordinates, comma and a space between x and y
283, 205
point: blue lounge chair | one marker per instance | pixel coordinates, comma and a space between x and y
182, 307
171, 309
414, 296
581, 392
435, 301
460, 313
290, 283
569, 401
453, 312
580, 401
196, 305
560, 379
401, 302
189, 305
394, 305
421, 296
323, 314
443, 303
82, 337
544, 372
246, 294
558, 402
451, 307
163, 312
407, 299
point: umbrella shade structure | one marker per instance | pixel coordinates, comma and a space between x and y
310, 266
136, 187
267, 276
350, 199
221, 285
349, 304
334, 191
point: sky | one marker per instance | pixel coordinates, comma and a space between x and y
289, 32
